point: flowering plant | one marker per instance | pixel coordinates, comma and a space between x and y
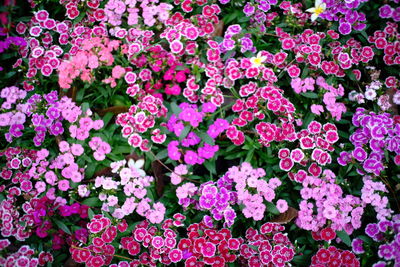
218, 133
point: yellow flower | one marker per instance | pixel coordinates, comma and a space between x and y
258, 60
317, 10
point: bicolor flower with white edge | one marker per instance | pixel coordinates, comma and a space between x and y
258, 60
136, 166
317, 10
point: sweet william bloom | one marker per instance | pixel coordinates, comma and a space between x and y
317, 10
258, 60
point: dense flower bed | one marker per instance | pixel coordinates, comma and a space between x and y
197, 132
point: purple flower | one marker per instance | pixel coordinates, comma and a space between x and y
234, 29
208, 107
52, 97
264, 6
37, 119
384, 226
357, 246
191, 140
344, 158
191, 157
372, 229
53, 113
178, 128
385, 251
351, 16
173, 151
5, 119
190, 115
229, 214
385, 11
359, 154
249, 10
378, 132
15, 130
56, 129
207, 151
345, 28
396, 14
369, 165
213, 131
228, 44
207, 201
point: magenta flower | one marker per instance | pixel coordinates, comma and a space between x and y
208, 249
191, 157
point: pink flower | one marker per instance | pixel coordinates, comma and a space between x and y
118, 72
282, 205
157, 242
208, 249
175, 255
77, 149
173, 90
317, 109
176, 46
63, 185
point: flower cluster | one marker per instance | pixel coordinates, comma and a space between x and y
93, 53
134, 183
375, 134
334, 256
242, 186
316, 143
267, 246
24, 256
182, 124
386, 233
324, 204
138, 122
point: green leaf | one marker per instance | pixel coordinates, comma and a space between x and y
310, 95
175, 109
162, 154
228, 55
107, 118
206, 138
90, 214
210, 165
185, 132
249, 155
344, 237
62, 226
92, 202
272, 208
89, 171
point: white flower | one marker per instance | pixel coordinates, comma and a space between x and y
370, 94
258, 60
396, 98
136, 166
317, 9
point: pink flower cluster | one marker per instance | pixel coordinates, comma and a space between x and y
117, 10
334, 256
134, 183
138, 121
325, 204
24, 256
261, 100
267, 246
372, 193
92, 54
185, 125
315, 144
240, 186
